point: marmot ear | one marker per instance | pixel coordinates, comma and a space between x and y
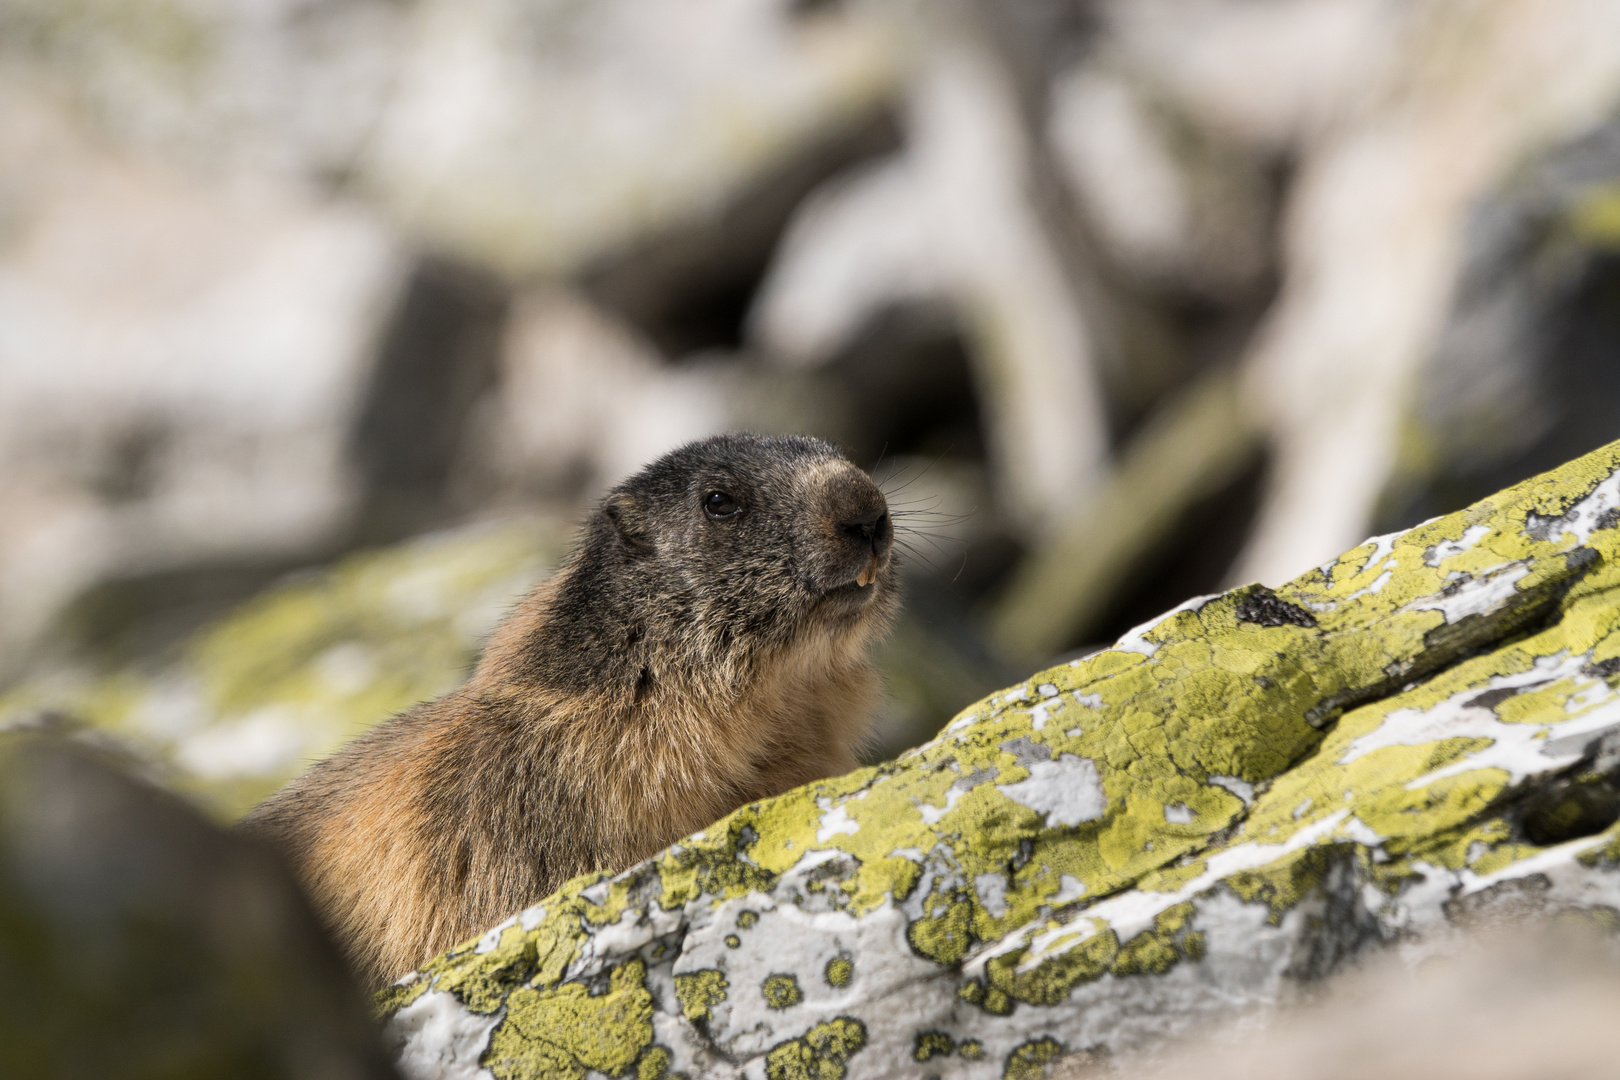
625, 515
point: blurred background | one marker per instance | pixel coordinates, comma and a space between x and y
322, 321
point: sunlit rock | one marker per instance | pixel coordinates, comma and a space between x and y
1238, 797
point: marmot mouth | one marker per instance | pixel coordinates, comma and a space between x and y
855, 593
850, 593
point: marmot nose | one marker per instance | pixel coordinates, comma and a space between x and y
871, 526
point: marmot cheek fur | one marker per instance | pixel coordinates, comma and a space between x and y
704, 646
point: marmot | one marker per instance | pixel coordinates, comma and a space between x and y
704, 646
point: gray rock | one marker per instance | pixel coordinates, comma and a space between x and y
180, 365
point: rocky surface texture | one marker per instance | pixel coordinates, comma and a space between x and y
1231, 800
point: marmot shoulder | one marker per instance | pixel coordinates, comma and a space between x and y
704, 646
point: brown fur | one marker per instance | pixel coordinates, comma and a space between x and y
714, 668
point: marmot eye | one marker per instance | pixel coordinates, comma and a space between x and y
719, 506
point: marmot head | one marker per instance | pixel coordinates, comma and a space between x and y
756, 538
717, 553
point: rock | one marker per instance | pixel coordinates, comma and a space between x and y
1521, 376
1233, 800
281, 90
139, 940
1529, 1001
951, 219
584, 402
1372, 237
1270, 79
180, 366
301, 668
532, 137
1171, 204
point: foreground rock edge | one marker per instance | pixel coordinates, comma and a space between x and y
1242, 793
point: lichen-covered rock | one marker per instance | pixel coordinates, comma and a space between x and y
300, 669
1241, 793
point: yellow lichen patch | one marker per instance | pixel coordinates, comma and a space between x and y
1534, 706
567, 1031
654, 1064
1050, 981
1607, 851
699, 992
1172, 878
484, 979
391, 999
1028, 1061
945, 931
933, 1044
1155, 951
1283, 883
822, 1053
781, 990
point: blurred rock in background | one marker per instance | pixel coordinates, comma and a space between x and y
1122, 301
236, 709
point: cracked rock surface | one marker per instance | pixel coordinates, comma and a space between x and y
1238, 796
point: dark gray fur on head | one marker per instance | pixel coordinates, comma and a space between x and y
658, 579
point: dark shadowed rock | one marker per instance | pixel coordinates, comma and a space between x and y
138, 940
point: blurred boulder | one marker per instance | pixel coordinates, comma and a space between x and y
286, 92
951, 218
582, 400
295, 672
1274, 76
1524, 371
435, 363
531, 137
138, 941
1373, 239
180, 365
1170, 202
